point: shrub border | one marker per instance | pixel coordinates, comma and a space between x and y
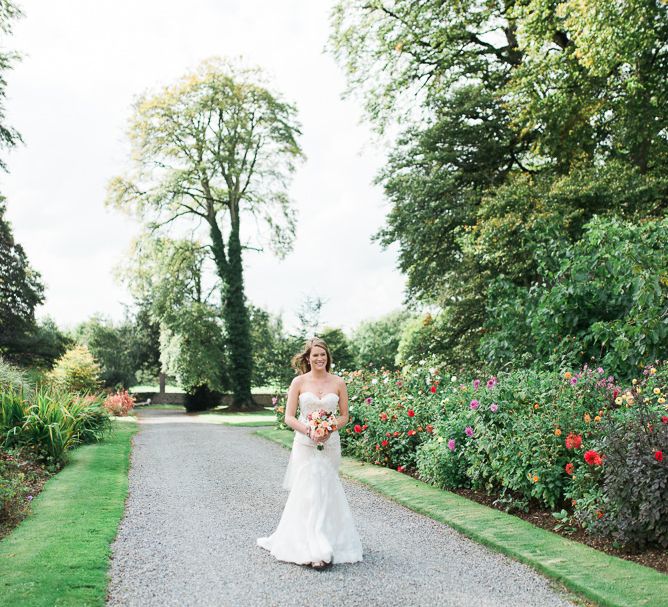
597, 576
60, 553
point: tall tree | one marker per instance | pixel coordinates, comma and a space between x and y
213, 148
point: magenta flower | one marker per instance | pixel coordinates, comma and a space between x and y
600, 369
574, 380
491, 382
451, 444
476, 383
494, 407
474, 404
368, 400
469, 431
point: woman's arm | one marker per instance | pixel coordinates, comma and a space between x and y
291, 408
342, 419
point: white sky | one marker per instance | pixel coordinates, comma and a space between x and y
84, 62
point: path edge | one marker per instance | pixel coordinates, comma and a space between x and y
607, 580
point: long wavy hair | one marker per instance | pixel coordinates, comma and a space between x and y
301, 363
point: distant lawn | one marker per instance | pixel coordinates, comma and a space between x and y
256, 418
156, 388
59, 555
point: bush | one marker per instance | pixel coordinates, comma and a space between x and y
631, 505
10, 376
76, 371
50, 420
606, 299
202, 398
120, 403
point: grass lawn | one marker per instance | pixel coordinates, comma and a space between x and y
599, 577
256, 418
59, 555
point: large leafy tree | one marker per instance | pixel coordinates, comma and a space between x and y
210, 150
524, 119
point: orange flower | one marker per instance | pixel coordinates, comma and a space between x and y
567, 375
557, 432
536, 405
535, 478
587, 418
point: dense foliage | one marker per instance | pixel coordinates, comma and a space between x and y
375, 343
521, 122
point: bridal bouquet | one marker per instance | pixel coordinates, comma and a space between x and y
321, 423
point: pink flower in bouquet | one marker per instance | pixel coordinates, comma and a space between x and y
274, 400
474, 404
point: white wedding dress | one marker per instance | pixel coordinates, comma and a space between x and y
316, 524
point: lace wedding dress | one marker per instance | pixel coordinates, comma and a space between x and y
316, 524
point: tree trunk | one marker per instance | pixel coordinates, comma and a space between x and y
235, 316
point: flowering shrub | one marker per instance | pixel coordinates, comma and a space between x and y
525, 436
120, 403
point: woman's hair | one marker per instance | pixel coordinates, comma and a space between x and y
300, 362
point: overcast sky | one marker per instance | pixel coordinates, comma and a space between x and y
84, 62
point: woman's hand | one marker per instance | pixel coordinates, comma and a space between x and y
320, 439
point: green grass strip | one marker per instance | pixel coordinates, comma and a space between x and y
607, 580
238, 418
59, 555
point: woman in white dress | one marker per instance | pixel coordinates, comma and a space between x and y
316, 527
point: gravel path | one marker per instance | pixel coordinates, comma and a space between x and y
200, 495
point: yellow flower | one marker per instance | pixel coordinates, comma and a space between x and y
657, 391
618, 400
662, 400
557, 432
440, 439
587, 418
634, 381
652, 371
597, 418
639, 390
567, 375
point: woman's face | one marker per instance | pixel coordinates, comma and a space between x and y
318, 358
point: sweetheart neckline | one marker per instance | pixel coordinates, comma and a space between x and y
314, 394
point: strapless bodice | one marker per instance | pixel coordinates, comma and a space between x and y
310, 402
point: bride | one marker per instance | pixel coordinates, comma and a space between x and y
316, 527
